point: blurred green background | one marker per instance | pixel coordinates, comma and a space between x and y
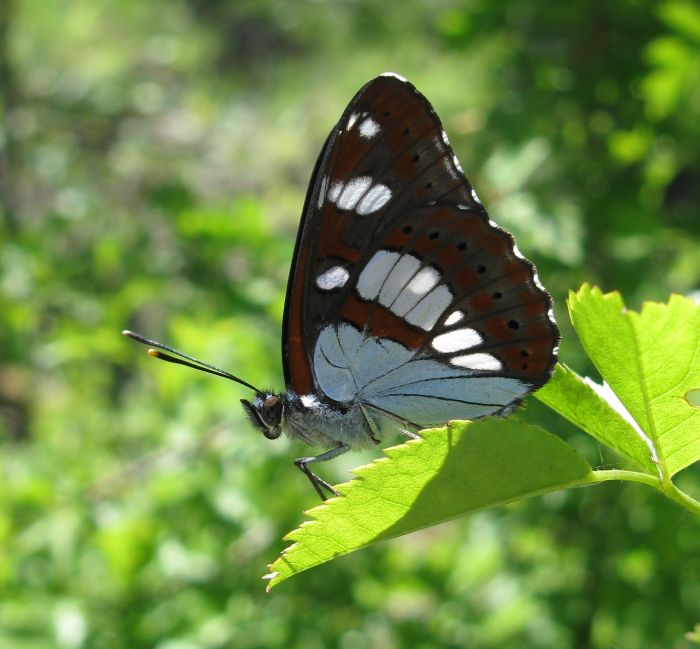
154, 158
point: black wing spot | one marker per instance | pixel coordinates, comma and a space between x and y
386, 113
481, 269
497, 295
513, 324
524, 353
434, 235
406, 131
428, 185
408, 229
461, 246
415, 158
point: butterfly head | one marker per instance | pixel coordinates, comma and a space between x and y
266, 412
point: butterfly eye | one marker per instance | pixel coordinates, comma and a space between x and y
272, 410
265, 414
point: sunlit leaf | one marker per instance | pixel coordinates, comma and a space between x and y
651, 360
573, 397
683, 16
450, 472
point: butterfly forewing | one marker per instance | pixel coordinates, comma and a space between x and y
403, 294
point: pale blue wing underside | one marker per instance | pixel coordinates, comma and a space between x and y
350, 367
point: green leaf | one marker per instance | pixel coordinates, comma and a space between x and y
574, 398
694, 635
651, 360
683, 16
451, 471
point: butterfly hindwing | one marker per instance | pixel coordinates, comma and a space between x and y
403, 294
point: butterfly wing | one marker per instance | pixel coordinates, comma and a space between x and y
403, 293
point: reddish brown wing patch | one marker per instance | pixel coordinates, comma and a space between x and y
297, 362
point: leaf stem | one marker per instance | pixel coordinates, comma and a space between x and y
667, 488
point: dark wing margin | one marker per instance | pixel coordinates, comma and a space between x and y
296, 359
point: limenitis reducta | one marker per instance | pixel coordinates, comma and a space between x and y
406, 305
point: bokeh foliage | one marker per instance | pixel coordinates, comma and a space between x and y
153, 162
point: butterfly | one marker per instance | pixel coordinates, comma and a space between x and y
406, 305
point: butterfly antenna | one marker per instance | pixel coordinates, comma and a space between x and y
184, 359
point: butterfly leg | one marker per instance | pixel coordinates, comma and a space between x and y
404, 423
373, 430
303, 462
